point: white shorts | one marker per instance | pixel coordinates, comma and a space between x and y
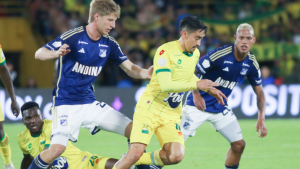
192, 118
67, 120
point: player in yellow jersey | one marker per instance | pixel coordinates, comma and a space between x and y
159, 108
36, 138
4, 140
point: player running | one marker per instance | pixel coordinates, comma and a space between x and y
36, 138
5, 150
227, 66
159, 109
82, 53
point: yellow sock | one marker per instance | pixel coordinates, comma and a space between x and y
5, 149
150, 159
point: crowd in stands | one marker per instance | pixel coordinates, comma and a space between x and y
146, 24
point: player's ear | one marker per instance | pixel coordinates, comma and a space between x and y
254, 39
184, 34
235, 38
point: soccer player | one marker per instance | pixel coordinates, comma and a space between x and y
82, 53
36, 138
4, 139
227, 66
159, 109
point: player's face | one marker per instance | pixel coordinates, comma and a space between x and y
193, 40
105, 23
33, 119
244, 40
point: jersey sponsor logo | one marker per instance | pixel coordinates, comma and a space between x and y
244, 64
86, 70
102, 45
244, 71
123, 57
179, 61
102, 53
63, 122
82, 42
229, 62
226, 83
60, 163
259, 74
42, 142
186, 125
258, 81
29, 145
56, 44
81, 50
206, 63
174, 99
162, 61
201, 69
161, 52
93, 160
226, 69
145, 129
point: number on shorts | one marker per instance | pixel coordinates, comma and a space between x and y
101, 104
226, 111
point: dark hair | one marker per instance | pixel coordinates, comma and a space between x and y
29, 105
192, 24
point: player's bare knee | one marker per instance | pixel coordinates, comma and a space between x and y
238, 146
176, 157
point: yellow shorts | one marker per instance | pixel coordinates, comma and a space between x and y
88, 162
1, 114
145, 123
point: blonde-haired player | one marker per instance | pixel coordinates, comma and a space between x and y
4, 140
159, 108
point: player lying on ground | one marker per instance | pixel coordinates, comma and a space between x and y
36, 138
227, 66
82, 53
4, 140
159, 109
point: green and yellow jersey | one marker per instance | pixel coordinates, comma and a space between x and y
34, 144
2, 57
172, 76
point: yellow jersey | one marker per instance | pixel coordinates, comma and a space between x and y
163, 97
34, 144
2, 57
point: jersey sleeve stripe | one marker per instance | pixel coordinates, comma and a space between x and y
223, 54
220, 52
162, 70
3, 63
71, 31
47, 145
72, 34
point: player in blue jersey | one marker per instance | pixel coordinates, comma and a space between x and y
227, 65
82, 53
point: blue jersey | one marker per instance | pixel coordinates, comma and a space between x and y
221, 66
78, 69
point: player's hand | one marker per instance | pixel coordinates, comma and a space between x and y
206, 84
62, 50
260, 125
199, 101
15, 108
150, 72
218, 95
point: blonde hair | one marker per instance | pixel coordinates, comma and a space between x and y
103, 8
245, 26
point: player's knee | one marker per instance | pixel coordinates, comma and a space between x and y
135, 157
176, 157
238, 146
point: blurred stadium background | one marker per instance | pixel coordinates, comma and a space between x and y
26, 25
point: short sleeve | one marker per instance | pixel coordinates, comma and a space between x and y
204, 64
116, 55
2, 57
22, 146
161, 60
254, 76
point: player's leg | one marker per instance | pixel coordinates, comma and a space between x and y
5, 150
62, 122
227, 125
192, 118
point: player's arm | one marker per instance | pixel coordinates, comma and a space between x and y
27, 160
6, 79
135, 71
45, 54
261, 104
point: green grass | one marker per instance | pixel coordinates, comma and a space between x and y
207, 150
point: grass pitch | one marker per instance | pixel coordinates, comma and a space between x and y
207, 150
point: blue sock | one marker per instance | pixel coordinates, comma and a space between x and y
145, 166
38, 163
234, 166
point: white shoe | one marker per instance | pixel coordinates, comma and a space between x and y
123, 155
10, 166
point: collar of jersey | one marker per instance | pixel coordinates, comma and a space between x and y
184, 52
36, 135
